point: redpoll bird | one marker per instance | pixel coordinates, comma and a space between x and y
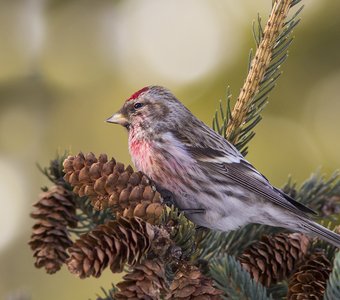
207, 176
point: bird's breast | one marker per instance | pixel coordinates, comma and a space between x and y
164, 161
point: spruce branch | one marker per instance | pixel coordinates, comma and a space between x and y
182, 231
88, 217
279, 290
236, 283
108, 294
272, 43
215, 243
54, 172
259, 64
333, 283
318, 193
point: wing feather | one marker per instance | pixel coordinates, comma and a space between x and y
246, 176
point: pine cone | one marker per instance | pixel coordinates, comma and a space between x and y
55, 210
146, 281
310, 279
109, 184
190, 283
274, 257
113, 244
331, 205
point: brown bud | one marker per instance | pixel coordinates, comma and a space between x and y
78, 161
99, 185
102, 158
134, 179
136, 193
90, 159
68, 164
74, 180
81, 191
114, 199
119, 167
95, 171
140, 210
148, 193
108, 167
111, 181
124, 197
123, 178
84, 175
89, 191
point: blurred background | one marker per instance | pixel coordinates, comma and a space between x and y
65, 66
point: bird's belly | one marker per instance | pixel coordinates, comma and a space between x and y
232, 213
225, 213
217, 221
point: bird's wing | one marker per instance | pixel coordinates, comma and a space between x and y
239, 171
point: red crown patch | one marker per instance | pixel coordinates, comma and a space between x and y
136, 95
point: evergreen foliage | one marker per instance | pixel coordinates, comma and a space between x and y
241, 136
333, 284
235, 281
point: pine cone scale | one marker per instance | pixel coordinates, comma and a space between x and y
110, 185
146, 281
54, 211
274, 258
113, 244
310, 279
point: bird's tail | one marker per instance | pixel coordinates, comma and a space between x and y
309, 226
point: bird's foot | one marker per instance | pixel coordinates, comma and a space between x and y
169, 200
193, 210
167, 196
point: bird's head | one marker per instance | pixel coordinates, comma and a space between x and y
150, 107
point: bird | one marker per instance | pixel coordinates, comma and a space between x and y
207, 177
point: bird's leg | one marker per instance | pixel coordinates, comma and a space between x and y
169, 199
193, 210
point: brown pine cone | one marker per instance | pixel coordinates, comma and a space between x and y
113, 244
50, 239
274, 257
331, 205
190, 283
146, 281
310, 279
109, 184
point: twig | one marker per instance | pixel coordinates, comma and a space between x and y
259, 65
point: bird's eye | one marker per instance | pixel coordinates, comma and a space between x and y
137, 105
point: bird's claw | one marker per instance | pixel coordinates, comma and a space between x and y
193, 210
169, 200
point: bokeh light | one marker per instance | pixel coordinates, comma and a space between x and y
322, 115
171, 43
13, 188
22, 35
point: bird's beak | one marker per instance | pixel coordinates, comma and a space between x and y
118, 118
